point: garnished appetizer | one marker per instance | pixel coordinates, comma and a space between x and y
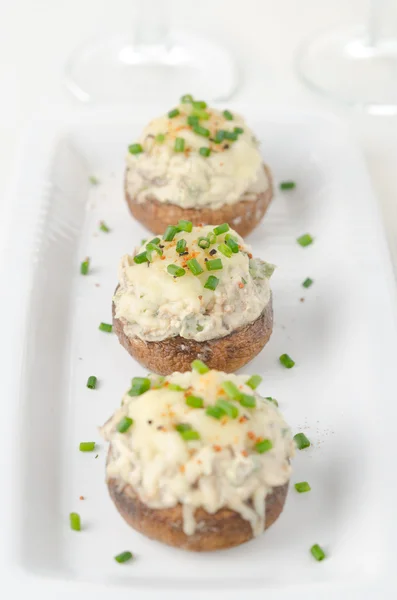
198, 460
197, 292
198, 164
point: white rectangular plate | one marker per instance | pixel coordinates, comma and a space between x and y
341, 392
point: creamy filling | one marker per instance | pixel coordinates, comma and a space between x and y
221, 469
233, 171
153, 305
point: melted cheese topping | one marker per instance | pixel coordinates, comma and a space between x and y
153, 305
233, 172
220, 469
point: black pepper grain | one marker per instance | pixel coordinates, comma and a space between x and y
213, 251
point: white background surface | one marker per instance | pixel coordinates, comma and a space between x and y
36, 37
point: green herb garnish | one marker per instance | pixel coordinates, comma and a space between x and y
215, 411
91, 383
211, 283
225, 250
286, 361
173, 113
203, 242
185, 226
135, 149
302, 487
170, 233
263, 446
254, 381
179, 144
200, 367
205, 151
75, 522
228, 408
124, 424
176, 271
317, 552
123, 557
195, 266
307, 283
201, 131
214, 265
105, 327
160, 137
287, 185
140, 258
219, 229
305, 240
195, 401
103, 227
86, 446
139, 385
181, 246
301, 441
85, 266
187, 99
228, 115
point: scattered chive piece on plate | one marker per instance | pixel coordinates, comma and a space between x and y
181, 246
86, 446
302, 487
238, 130
305, 240
135, 149
93, 180
223, 228
176, 271
271, 400
195, 266
228, 408
307, 283
199, 104
91, 383
200, 367
263, 446
173, 113
203, 242
193, 120
211, 283
225, 250
103, 227
124, 424
189, 435
215, 411
123, 557
214, 265
247, 401
140, 258
75, 521
287, 185
205, 151
194, 401
160, 137
186, 99
286, 361
254, 381
170, 233
139, 385
201, 131
179, 144
317, 552
228, 115
85, 266
106, 327
232, 244
185, 226
301, 441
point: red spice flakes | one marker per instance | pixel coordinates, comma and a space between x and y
249, 255
161, 428
244, 452
182, 468
243, 419
81, 498
251, 435
199, 462
241, 285
302, 299
162, 257
217, 448
200, 297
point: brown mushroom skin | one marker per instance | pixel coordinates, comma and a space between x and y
243, 216
224, 529
228, 353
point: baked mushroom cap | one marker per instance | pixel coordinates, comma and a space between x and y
198, 460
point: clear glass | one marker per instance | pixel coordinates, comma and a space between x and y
356, 65
151, 61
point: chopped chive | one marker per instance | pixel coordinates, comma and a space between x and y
286, 361
103, 227
160, 137
124, 424
211, 237
273, 400
221, 229
215, 411
219, 136
203, 242
75, 521
85, 266
228, 115
247, 401
143, 241
228, 408
230, 135
181, 246
225, 250
91, 383
301, 441
185, 226
254, 381
193, 120
173, 113
233, 245
214, 265
93, 180
238, 130
263, 446
123, 557
317, 552
244, 281
231, 390
170, 233
190, 435
141, 258
187, 99
205, 151
183, 427
135, 149
86, 446
307, 283
105, 327
179, 144
287, 185
195, 401
211, 283
199, 104
202, 115
199, 327
195, 266
201, 131
174, 387
175, 271
139, 385
200, 367
150, 248
302, 487
305, 240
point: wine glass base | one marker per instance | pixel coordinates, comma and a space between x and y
345, 66
113, 70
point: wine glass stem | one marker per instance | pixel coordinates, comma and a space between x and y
382, 21
152, 23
